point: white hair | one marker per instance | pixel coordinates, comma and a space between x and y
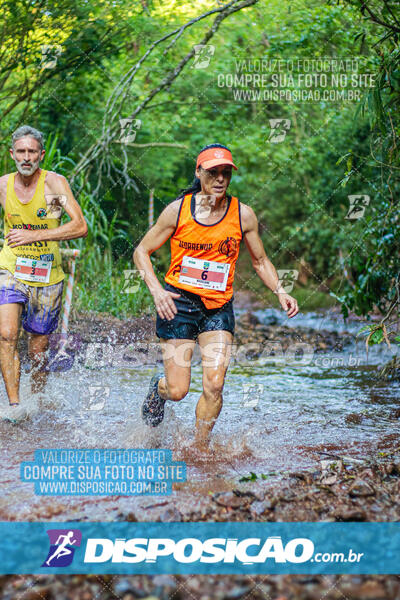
25, 130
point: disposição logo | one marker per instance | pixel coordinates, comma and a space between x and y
62, 547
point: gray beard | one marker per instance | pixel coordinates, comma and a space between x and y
27, 170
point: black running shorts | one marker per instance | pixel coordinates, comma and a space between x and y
193, 317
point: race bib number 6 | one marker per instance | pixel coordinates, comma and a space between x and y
29, 269
204, 273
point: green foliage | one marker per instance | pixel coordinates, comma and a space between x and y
375, 266
100, 280
299, 188
99, 284
254, 476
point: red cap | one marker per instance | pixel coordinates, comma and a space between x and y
212, 157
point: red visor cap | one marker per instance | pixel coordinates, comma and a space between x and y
212, 157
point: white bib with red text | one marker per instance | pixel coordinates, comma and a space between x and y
29, 269
204, 273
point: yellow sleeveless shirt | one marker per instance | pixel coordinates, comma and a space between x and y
35, 214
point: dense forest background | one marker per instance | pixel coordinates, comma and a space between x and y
75, 68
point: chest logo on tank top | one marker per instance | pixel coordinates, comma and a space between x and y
41, 213
228, 246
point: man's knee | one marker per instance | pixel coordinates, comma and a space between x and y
8, 334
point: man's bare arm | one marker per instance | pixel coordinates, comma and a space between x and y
75, 228
3, 191
261, 263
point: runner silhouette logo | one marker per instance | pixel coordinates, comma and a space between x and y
62, 547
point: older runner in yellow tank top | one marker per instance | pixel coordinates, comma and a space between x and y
31, 275
206, 226
35, 215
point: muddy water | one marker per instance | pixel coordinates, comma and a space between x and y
278, 415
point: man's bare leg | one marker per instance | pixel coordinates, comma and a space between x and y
215, 349
38, 345
10, 315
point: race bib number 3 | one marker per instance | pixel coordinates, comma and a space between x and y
28, 269
204, 273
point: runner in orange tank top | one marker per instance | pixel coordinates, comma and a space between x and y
206, 226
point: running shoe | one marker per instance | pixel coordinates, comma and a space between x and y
14, 413
153, 406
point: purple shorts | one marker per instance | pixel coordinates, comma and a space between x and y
42, 304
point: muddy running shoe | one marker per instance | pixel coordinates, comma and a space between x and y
153, 406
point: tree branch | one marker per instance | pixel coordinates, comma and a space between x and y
98, 151
375, 19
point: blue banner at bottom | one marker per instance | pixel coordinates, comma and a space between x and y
189, 548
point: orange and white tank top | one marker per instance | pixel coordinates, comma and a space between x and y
203, 257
